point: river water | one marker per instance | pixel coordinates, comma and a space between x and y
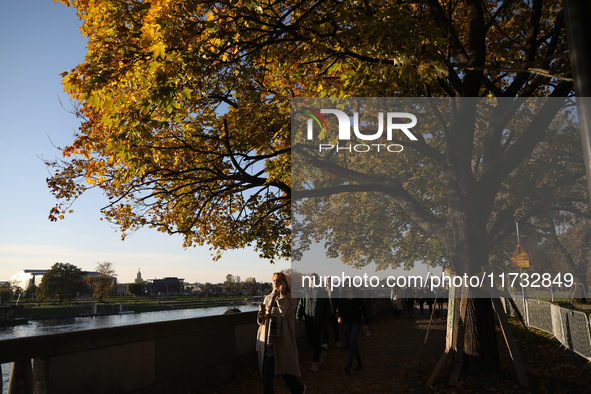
52, 326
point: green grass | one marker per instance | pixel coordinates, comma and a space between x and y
37, 309
531, 336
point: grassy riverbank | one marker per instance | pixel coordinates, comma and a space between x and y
35, 309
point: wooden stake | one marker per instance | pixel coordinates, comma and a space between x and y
508, 335
459, 354
510, 341
448, 338
438, 367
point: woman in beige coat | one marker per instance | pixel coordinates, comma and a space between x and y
276, 344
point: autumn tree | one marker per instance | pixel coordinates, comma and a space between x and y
562, 248
250, 282
230, 281
252, 291
186, 107
575, 242
6, 294
207, 288
136, 289
250, 285
63, 281
103, 282
15, 287
31, 290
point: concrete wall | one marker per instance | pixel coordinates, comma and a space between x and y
165, 357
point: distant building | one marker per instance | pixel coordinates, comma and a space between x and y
138, 279
170, 285
26, 278
121, 289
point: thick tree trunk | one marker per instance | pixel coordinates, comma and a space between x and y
481, 350
479, 342
468, 256
466, 244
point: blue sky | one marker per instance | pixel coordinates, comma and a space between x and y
39, 40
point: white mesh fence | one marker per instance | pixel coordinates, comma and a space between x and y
559, 328
539, 315
579, 329
571, 328
521, 307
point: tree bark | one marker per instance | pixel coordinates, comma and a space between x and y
481, 351
466, 243
480, 348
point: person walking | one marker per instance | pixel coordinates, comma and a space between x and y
409, 296
396, 302
314, 309
429, 298
353, 314
276, 344
332, 323
420, 297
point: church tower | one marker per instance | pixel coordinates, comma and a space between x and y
138, 279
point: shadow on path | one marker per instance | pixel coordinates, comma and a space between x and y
396, 361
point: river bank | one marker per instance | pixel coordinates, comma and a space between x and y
67, 324
89, 308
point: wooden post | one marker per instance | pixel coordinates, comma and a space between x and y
510, 341
508, 334
448, 338
459, 353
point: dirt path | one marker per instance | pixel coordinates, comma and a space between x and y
396, 361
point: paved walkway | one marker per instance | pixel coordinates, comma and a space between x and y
396, 361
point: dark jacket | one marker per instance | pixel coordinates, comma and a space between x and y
304, 309
409, 293
353, 310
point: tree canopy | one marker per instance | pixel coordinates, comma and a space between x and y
103, 282
557, 248
156, 81
63, 281
185, 104
394, 209
136, 289
230, 282
6, 294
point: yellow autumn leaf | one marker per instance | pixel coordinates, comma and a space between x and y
158, 50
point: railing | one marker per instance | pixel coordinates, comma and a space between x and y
171, 356
176, 356
571, 328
